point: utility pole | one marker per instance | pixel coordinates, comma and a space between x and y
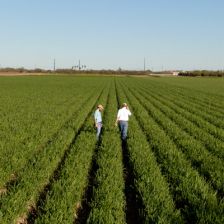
79, 66
144, 64
54, 64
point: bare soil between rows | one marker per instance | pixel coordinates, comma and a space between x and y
19, 74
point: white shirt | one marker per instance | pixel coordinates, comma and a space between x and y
123, 114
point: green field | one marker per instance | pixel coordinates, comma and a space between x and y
52, 170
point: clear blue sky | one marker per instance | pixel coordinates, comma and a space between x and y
170, 34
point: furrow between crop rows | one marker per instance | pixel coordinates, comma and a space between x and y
108, 202
133, 199
83, 211
156, 203
65, 197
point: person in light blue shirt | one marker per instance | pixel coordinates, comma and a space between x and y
98, 120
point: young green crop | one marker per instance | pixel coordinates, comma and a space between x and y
208, 165
158, 205
36, 110
64, 199
177, 105
23, 196
172, 165
108, 205
196, 199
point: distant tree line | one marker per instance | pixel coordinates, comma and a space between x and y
103, 72
202, 73
23, 70
72, 71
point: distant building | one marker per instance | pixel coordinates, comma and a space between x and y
175, 73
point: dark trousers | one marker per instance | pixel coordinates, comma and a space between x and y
98, 130
123, 125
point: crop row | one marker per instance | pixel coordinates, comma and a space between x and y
64, 199
184, 101
204, 127
205, 112
191, 111
35, 176
203, 92
11, 165
211, 136
108, 201
151, 186
168, 171
196, 127
206, 107
209, 166
33, 127
191, 193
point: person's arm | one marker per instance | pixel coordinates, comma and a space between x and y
129, 112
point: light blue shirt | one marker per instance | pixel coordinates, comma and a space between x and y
97, 116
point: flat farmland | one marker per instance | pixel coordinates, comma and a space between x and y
53, 170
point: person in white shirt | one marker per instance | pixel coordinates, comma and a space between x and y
122, 119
